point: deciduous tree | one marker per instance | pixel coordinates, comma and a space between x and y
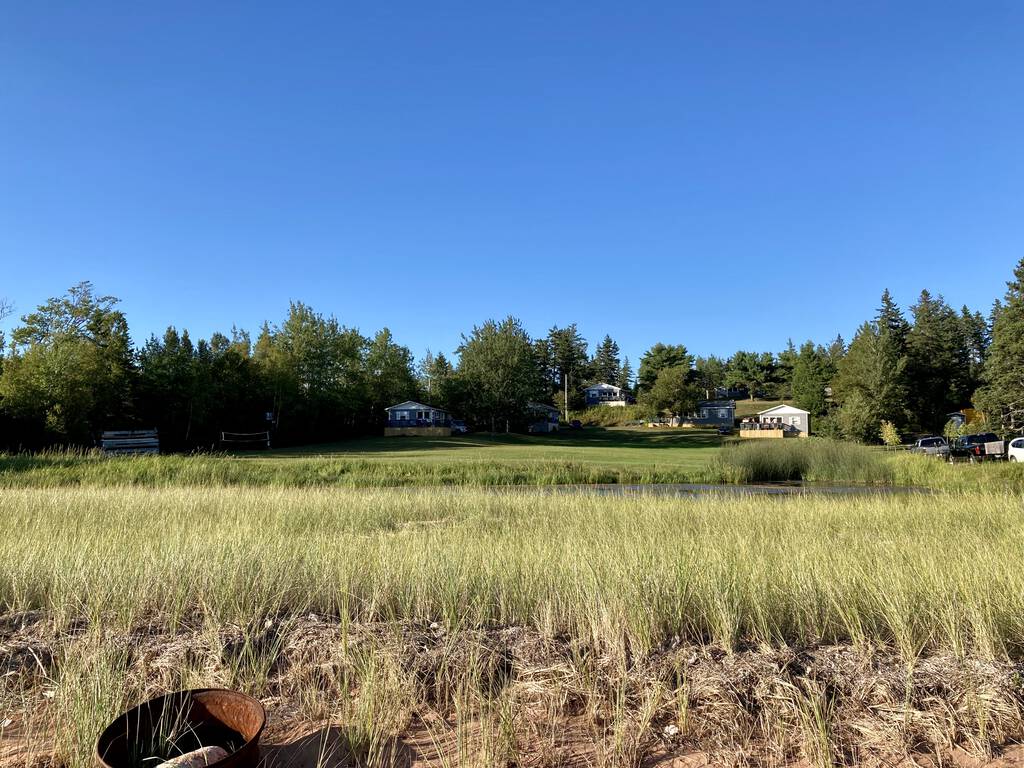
673, 391
499, 372
72, 366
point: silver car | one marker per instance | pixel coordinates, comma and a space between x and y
931, 446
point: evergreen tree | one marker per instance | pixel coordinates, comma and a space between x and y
751, 370
977, 336
710, 374
871, 382
834, 352
890, 320
786, 362
658, 358
811, 375
1002, 396
625, 377
168, 387
567, 356
938, 363
605, 367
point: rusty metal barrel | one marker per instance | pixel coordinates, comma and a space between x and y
182, 722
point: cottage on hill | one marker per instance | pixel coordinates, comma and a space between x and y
605, 394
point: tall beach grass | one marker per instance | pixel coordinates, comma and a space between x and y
496, 619
934, 571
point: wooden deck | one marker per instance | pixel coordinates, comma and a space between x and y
770, 434
417, 431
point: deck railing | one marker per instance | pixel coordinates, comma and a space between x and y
767, 425
419, 422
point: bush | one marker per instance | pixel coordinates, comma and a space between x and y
813, 459
889, 434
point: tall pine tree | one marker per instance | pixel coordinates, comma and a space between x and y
811, 375
938, 370
1002, 396
871, 380
605, 367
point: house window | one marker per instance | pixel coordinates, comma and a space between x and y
723, 413
794, 421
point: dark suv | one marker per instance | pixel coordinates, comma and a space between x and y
977, 447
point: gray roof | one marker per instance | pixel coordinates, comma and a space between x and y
410, 405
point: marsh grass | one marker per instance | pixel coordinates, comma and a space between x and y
732, 570
823, 461
58, 469
813, 460
151, 589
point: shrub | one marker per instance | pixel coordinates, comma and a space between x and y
889, 434
813, 459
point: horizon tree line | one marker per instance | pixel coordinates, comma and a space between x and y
70, 371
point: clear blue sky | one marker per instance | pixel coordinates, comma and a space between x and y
630, 167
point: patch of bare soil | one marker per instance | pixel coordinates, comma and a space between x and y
416, 695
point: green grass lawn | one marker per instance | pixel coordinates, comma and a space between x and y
596, 446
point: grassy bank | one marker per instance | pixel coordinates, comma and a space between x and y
613, 416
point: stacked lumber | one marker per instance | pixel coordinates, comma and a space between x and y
130, 441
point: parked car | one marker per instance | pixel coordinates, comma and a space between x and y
1015, 452
575, 424
725, 430
459, 427
931, 446
984, 447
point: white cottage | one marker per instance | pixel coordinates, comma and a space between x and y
604, 394
788, 418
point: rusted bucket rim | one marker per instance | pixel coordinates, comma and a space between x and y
107, 735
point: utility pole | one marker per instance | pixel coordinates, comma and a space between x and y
565, 378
